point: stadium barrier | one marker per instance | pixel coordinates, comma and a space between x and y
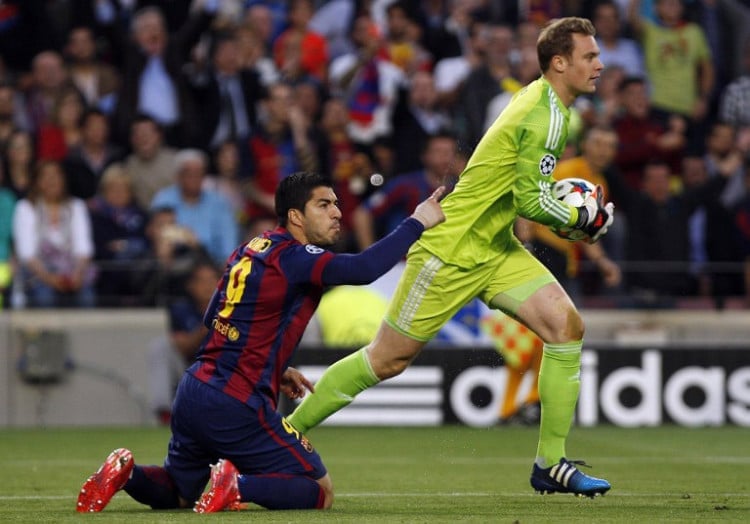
639, 368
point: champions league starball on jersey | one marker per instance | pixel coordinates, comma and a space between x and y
572, 191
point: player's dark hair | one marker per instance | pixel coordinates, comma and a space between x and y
295, 191
556, 38
440, 134
629, 81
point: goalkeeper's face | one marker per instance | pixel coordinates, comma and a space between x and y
321, 220
583, 66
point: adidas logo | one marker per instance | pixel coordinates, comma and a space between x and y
562, 472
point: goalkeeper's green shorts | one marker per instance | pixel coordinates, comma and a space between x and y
430, 292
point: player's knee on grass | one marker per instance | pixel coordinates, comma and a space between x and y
327, 486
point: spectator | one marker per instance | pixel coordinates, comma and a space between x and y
281, 145
444, 25
151, 163
206, 213
386, 208
658, 235
53, 242
119, 227
643, 136
403, 35
678, 62
12, 114
615, 49
724, 158
170, 356
525, 70
309, 95
299, 51
368, 81
267, 17
349, 166
604, 106
227, 95
451, 72
62, 133
48, 77
416, 116
734, 102
152, 76
86, 162
254, 55
492, 77
160, 272
97, 81
7, 205
332, 20
227, 179
19, 161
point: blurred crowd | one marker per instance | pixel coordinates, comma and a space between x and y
142, 139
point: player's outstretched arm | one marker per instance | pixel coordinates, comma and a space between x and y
373, 262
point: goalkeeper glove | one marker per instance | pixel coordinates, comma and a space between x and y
595, 217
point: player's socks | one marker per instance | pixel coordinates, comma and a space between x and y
559, 382
281, 491
338, 386
152, 485
533, 395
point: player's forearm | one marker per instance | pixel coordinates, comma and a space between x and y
375, 261
539, 205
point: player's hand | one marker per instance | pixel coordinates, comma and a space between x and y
429, 212
611, 272
594, 216
293, 384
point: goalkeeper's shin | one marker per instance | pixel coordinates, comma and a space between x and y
335, 390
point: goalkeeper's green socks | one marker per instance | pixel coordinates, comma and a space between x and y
559, 382
336, 389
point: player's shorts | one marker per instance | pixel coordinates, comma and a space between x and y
430, 292
208, 425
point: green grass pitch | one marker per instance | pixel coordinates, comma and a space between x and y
418, 475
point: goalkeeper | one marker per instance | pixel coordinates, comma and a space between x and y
475, 254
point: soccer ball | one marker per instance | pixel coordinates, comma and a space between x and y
572, 191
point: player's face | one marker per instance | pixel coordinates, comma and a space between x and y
322, 217
583, 66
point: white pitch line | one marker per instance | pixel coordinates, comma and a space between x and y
379, 494
525, 460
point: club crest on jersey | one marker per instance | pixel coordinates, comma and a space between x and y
313, 250
547, 164
306, 444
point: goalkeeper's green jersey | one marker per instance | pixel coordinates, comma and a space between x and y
509, 174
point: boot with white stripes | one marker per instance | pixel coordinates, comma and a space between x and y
565, 477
